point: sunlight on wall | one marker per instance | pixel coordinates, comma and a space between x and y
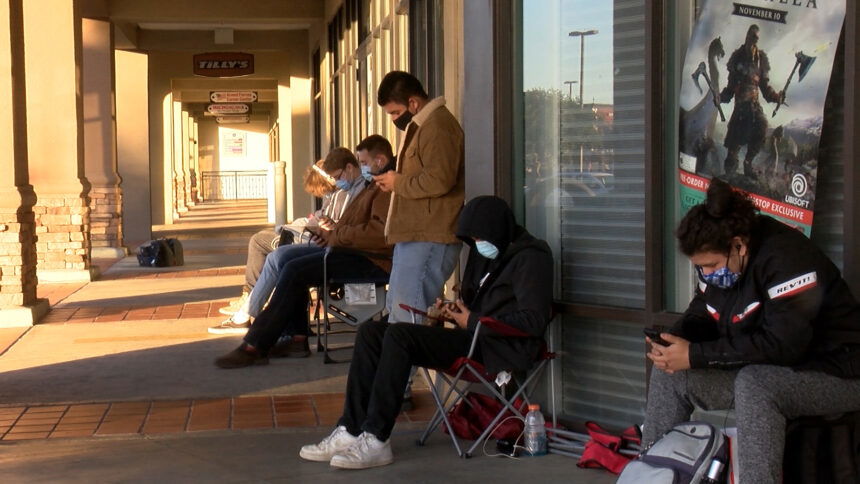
241, 149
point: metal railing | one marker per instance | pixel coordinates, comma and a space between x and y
233, 185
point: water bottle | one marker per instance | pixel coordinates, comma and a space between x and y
715, 472
535, 431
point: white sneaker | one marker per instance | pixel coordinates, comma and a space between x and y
339, 440
367, 451
229, 326
234, 305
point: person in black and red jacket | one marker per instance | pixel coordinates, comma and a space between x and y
773, 331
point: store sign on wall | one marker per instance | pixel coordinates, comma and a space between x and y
233, 96
229, 108
223, 64
232, 119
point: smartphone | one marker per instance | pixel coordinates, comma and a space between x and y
654, 334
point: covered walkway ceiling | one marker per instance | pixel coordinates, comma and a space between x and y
186, 24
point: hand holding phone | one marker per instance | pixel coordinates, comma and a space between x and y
654, 335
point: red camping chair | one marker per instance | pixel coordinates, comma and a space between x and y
466, 369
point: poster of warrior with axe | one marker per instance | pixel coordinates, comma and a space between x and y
754, 117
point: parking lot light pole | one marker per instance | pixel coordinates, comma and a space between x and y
581, 34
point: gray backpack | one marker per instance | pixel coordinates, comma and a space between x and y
683, 455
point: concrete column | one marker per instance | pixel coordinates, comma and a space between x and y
18, 303
280, 180
186, 159
132, 130
179, 206
52, 48
100, 164
193, 161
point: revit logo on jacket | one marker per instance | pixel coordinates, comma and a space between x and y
794, 286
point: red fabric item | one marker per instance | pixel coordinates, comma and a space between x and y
597, 456
470, 421
602, 436
632, 434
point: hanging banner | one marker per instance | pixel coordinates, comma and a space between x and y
752, 101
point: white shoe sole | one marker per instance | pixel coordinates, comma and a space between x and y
313, 457
360, 465
217, 330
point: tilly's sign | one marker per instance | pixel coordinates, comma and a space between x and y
223, 64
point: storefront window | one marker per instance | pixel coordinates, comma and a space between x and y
583, 105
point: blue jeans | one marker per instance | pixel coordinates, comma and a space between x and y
269, 275
418, 273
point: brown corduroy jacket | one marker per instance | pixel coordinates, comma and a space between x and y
429, 192
362, 226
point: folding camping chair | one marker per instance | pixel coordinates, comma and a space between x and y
466, 369
351, 301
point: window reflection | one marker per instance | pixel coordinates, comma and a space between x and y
584, 147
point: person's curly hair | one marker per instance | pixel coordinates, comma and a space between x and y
710, 226
315, 183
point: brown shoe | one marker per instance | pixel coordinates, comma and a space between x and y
291, 349
240, 358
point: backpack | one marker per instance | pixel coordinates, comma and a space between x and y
682, 455
160, 253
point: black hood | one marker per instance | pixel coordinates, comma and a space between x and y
487, 218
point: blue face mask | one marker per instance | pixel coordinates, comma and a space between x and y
342, 184
722, 278
487, 249
365, 172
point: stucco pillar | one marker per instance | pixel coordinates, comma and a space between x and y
132, 131
178, 161
52, 51
100, 140
195, 161
18, 303
187, 169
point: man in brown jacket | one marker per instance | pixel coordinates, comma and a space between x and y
428, 188
361, 227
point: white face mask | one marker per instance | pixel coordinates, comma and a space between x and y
487, 249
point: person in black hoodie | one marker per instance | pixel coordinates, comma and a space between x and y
508, 276
773, 331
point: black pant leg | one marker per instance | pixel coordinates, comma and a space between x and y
362, 371
405, 345
287, 309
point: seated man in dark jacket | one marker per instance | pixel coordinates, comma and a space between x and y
508, 277
360, 227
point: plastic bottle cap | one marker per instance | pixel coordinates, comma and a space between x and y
534, 406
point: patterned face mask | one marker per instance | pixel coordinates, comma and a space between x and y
722, 278
487, 249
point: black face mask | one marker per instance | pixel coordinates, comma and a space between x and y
403, 120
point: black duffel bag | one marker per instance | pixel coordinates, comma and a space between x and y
160, 253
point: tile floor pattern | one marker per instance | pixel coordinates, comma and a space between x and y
164, 417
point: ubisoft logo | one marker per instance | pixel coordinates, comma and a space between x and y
799, 185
